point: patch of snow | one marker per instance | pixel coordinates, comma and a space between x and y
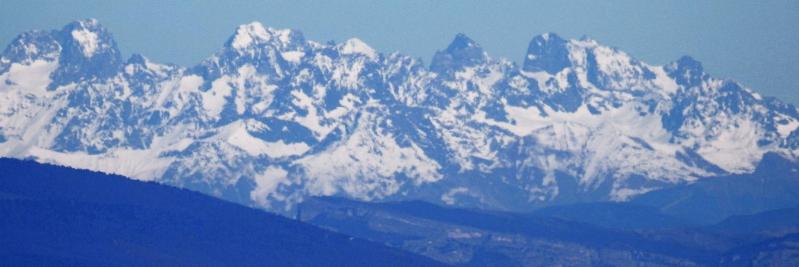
449, 197
735, 148
786, 129
346, 104
541, 78
461, 234
663, 81
190, 82
31, 49
348, 76
179, 92
88, 41
266, 184
757, 96
214, 100
312, 120
33, 78
236, 134
466, 142
625, 194
283, 35
142, 165
293, 56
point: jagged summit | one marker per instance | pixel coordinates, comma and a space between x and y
461, 43
137, 58
86, 34
689, 63
84, 50
83, 38
269, 50
29, 47
461, 52
88, 51
547, 52
687, 70
88, 37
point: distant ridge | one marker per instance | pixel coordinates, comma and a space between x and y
57, 216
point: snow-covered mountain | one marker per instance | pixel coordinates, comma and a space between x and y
272, 118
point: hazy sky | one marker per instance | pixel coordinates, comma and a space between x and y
754, 42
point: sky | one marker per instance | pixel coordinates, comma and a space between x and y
753, 42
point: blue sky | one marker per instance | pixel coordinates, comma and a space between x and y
754, 42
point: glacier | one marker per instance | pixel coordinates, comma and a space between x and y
272, 118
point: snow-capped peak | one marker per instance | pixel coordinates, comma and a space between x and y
31, 46
355, 46
87, 40
89, 35
250, 34
255, 34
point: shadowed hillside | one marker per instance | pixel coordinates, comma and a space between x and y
55, 216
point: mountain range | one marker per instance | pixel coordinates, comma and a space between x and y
272, 119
